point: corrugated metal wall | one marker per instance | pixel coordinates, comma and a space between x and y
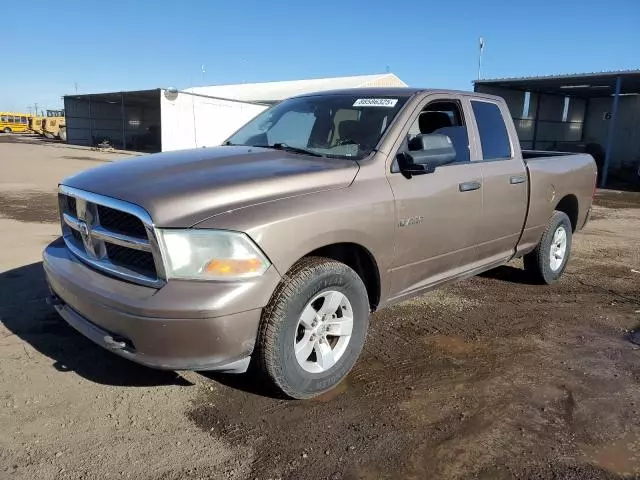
626, 139
553, 132
91, 120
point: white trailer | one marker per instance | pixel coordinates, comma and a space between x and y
192, 120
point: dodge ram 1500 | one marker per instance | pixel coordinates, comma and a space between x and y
274, 248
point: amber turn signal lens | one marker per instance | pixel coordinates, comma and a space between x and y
232, 267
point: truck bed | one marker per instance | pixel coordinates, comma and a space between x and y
533, 154
554, 176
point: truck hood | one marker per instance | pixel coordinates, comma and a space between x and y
183, 188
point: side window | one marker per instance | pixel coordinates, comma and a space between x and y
4, 119
23, 120
444, 118
494, 137
10, 118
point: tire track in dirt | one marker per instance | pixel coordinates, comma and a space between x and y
499, 376
30, 206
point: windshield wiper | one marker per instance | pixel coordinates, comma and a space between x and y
289, 148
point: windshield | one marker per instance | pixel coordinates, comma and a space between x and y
348, 126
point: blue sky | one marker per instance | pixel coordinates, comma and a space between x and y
124, 44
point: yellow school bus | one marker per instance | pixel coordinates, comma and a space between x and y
11, 122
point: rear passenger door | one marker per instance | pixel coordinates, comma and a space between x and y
505, 188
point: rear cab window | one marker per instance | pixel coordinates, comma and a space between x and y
494, 137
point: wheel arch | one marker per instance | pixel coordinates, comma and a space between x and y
360, 259
569, 205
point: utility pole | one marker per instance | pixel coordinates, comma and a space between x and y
75, 85
481, 42
35, 105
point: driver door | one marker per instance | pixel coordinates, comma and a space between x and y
437, 214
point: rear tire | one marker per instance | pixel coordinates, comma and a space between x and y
295, 347
7, 130
63, 134
547, 262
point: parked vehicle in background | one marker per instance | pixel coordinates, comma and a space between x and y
277, 246
14, 122
54, 125
35, 124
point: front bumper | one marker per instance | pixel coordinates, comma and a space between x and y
185, 325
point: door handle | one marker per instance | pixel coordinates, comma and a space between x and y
469, 186
515, 179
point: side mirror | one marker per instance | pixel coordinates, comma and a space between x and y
426, 153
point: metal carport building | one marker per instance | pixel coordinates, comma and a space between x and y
594, 112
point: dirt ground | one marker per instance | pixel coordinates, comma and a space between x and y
490, 378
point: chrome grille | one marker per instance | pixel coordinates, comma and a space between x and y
113, 236
136, 260
121, 222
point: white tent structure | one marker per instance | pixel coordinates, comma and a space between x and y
168, 119
271, 92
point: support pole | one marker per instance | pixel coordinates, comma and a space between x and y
535, 122
124, 146
91, 141
610, 134
587, 104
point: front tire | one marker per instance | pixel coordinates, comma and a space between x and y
547, 262
314, 328
7, 130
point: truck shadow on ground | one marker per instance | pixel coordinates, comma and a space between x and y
250, 382
508, 273
24, 312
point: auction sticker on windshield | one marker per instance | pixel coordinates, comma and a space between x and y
376, 102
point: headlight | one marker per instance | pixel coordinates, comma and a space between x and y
210, 255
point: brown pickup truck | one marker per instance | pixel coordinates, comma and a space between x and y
274, 249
